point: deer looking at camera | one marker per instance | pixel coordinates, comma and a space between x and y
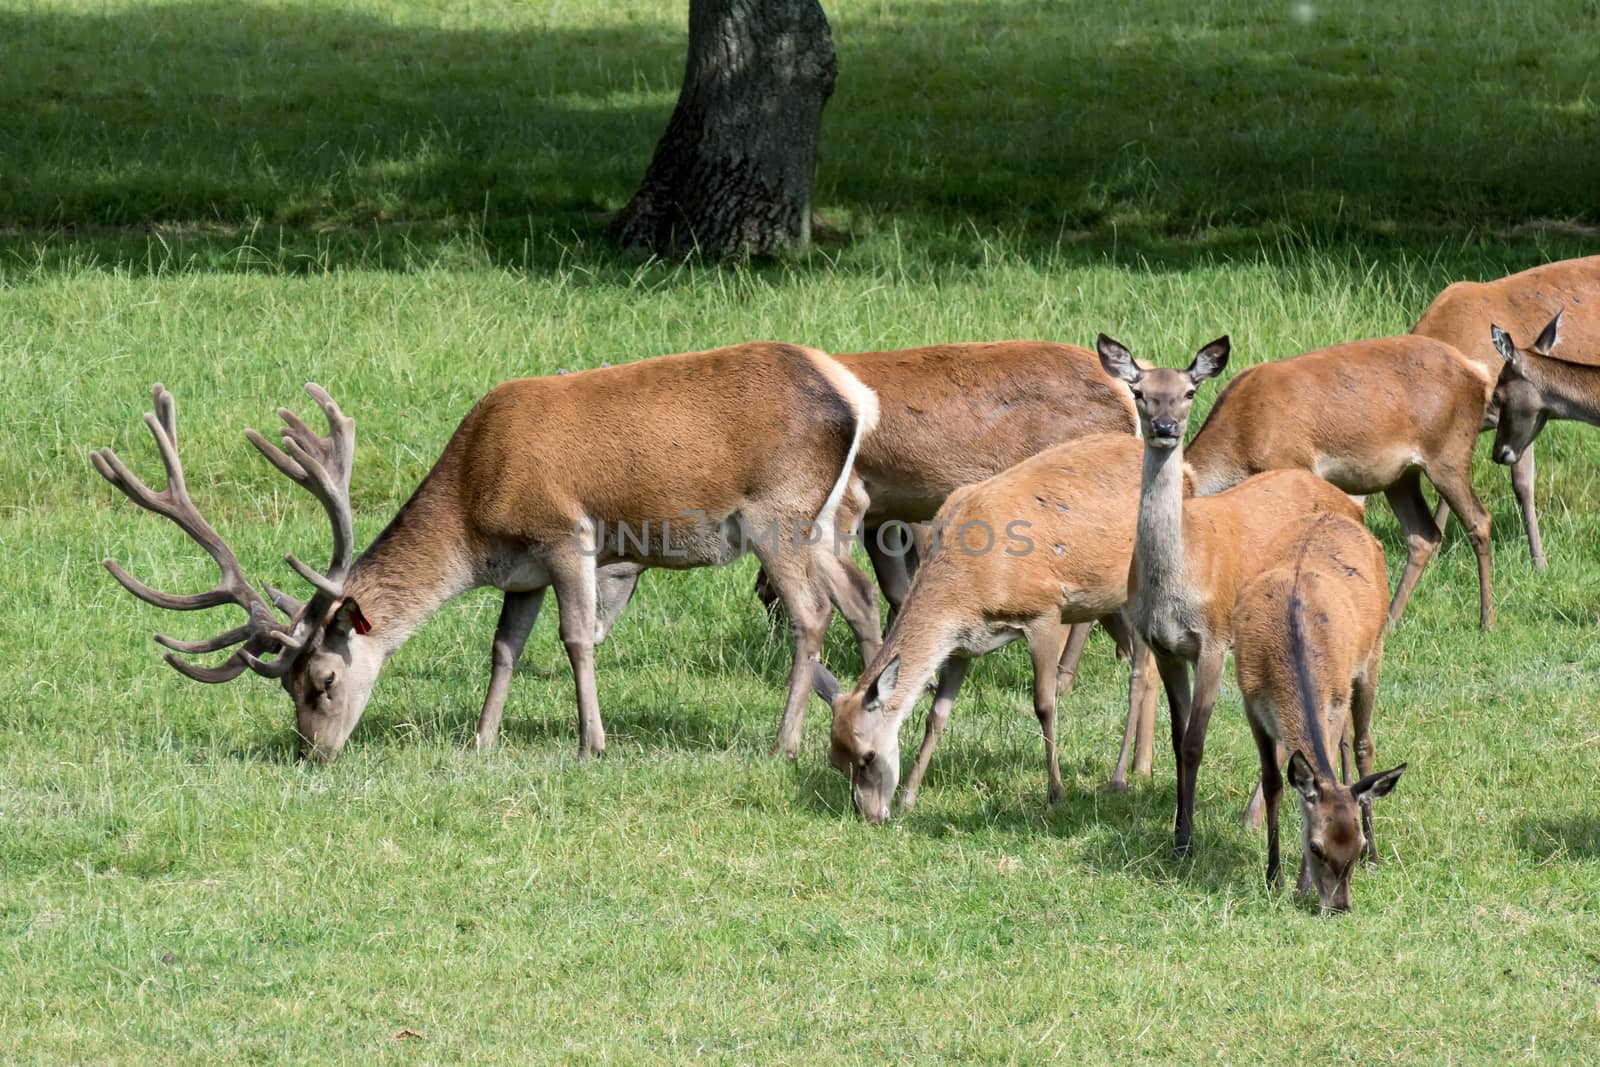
1191, 556
1369, 416
1308, 642
700, 457
1022, 555
1521, 304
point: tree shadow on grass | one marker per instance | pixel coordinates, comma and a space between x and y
298, 136
1573, 836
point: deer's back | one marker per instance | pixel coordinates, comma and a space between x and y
955, 414
1521, 304
652, 439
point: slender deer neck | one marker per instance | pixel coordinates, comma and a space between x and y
1569, 390
1158, 537
923, 639
418, 563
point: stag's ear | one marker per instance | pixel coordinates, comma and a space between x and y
1117, 361
1549, 336
1210, 360
1377, 784
823, 683
1503, 344
1300, 776
347, 618
882, 687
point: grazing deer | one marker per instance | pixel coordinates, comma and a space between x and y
1190, 556
1308, 642
1520, 303
576, 482
1369, 416
1044, 544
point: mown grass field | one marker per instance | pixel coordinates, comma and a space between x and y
403, 200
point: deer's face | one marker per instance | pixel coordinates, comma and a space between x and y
1522, 407
864, 741
1162, 397
1331, 834
330, 683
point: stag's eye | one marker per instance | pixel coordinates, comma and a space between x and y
1189, 395
1138, 394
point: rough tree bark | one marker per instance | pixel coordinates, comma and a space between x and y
733, 174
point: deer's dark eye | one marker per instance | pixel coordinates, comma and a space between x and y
1189, 395
1137, 394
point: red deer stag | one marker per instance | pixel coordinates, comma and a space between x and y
1190, 556
1042, 545
1521, 304
1308, 642
575, 482
1369, 416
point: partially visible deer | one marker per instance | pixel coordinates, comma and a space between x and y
1191, 556
1369, 416
1520, 303
1536, 385
953, 414
1308, 642
703, 456
1045, 544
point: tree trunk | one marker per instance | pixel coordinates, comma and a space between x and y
733, 174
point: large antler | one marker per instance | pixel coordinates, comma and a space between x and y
263, 633
322, 466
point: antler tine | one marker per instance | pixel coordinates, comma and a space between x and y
320, 465
175, 504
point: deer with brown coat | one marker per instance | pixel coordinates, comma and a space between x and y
1308, 643
1537, 385
688, 453
1521, 304
1369, 416
1045, 544
1191, 556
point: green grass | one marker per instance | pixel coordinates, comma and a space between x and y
399, 200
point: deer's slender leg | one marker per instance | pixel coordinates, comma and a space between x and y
517, 615
1077, 637
1363, 695
944, 698
1422, 537
793, 575
1454, 483
888, 551
573, 576
1271, 789
614, 587
1044, 645
853, 593
1207, 682
1522, 486
1138, 732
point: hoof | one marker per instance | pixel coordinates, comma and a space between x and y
1115, 786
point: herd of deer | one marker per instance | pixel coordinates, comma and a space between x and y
1059, 484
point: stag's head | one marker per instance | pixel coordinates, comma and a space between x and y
1163, 397
1331, 835
1521, 405
322, 650
864, 741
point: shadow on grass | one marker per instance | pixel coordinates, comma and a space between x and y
297, 136
1574, 836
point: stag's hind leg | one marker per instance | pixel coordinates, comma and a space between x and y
517, 616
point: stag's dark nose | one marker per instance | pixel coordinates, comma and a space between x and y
1164, 427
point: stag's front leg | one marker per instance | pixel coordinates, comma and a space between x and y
517, 616
573, 576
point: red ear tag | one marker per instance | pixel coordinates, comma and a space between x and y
360, 621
